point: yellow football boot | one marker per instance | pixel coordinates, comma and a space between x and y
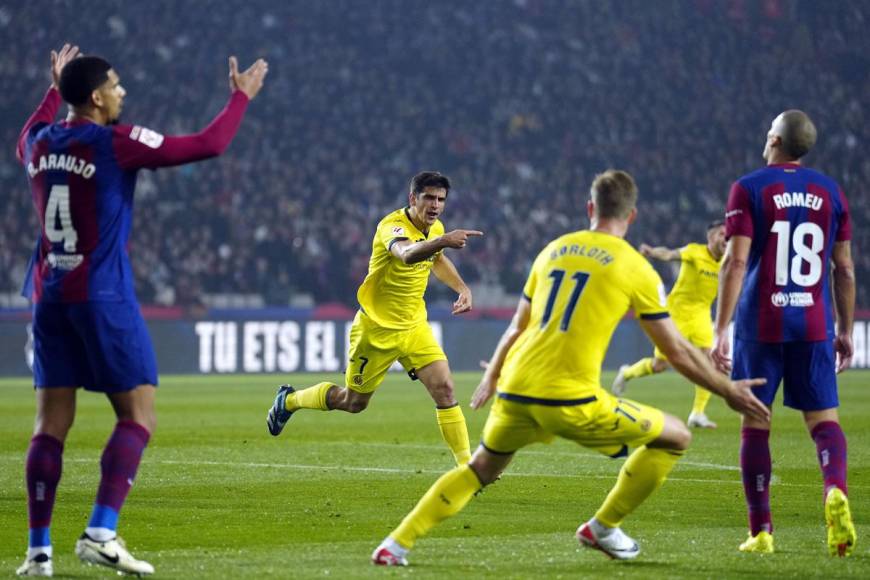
841, 530
761, 543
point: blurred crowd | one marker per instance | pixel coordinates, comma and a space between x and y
520, 102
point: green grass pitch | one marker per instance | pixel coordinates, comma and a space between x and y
217, 497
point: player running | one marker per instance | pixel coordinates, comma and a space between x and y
689, 304
785, 225
87, 329
546, 369
391, 323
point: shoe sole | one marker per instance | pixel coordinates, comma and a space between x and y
841, 530
278, 428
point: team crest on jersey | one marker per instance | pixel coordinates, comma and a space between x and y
398, 231
645, 425
357, 380
146, 136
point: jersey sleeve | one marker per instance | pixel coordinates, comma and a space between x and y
648, 299
44, 114
738, 213
844, 224
686, 254
391, 231
532, 281
138, 147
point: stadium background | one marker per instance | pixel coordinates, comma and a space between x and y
520, 102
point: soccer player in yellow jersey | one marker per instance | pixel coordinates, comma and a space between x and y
689, 304
546, 370
391, 323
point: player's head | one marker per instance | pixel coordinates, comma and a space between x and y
716, 238
613, 196
792, 134
428, 193
90, 85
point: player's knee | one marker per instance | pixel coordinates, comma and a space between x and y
682, 437
357, 405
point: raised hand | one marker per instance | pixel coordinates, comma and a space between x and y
458, 238
251, 81
59, 59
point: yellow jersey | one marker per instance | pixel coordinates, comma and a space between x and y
697, 284
392, 292
580, 287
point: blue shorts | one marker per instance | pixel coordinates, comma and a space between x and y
806, 369
101, 346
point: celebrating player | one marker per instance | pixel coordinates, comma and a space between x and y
87, 329
689, 304
785, 224
579, 288
391, 322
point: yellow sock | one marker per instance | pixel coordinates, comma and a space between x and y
310, 398
643, 472
445, 498
701, 398
451, 421
641, 368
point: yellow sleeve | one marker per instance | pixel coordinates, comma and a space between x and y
648, 299
686, 254
391, 231
532, 281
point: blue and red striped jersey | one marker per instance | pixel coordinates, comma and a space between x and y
793, 215
82, 176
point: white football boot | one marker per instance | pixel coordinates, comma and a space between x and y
112, 554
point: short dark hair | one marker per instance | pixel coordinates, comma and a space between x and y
614, 193
798, 133
715, 224
81, 77
426, 179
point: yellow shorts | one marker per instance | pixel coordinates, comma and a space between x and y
374, 349
698, 330
607, 424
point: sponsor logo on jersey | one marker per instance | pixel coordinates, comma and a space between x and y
146, 136
64, 261
398, 231
796, 299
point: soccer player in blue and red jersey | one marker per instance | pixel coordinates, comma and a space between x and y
87, 329
786, 224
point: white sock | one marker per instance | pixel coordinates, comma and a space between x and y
395, 547
100, 534
600, 530
34, 552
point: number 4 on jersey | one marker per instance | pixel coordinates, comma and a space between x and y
57, 212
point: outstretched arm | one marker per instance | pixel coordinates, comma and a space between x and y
488, 383
412, 252
446, 271
693, 364
47, 109
659, 253
137, 147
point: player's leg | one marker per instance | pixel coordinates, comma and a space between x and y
124, 368
810, 385
448, 413
645, 366
508, 428
698, 416
755, 359
372, 351
57, 364
611, 425
55, 412
447, 497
